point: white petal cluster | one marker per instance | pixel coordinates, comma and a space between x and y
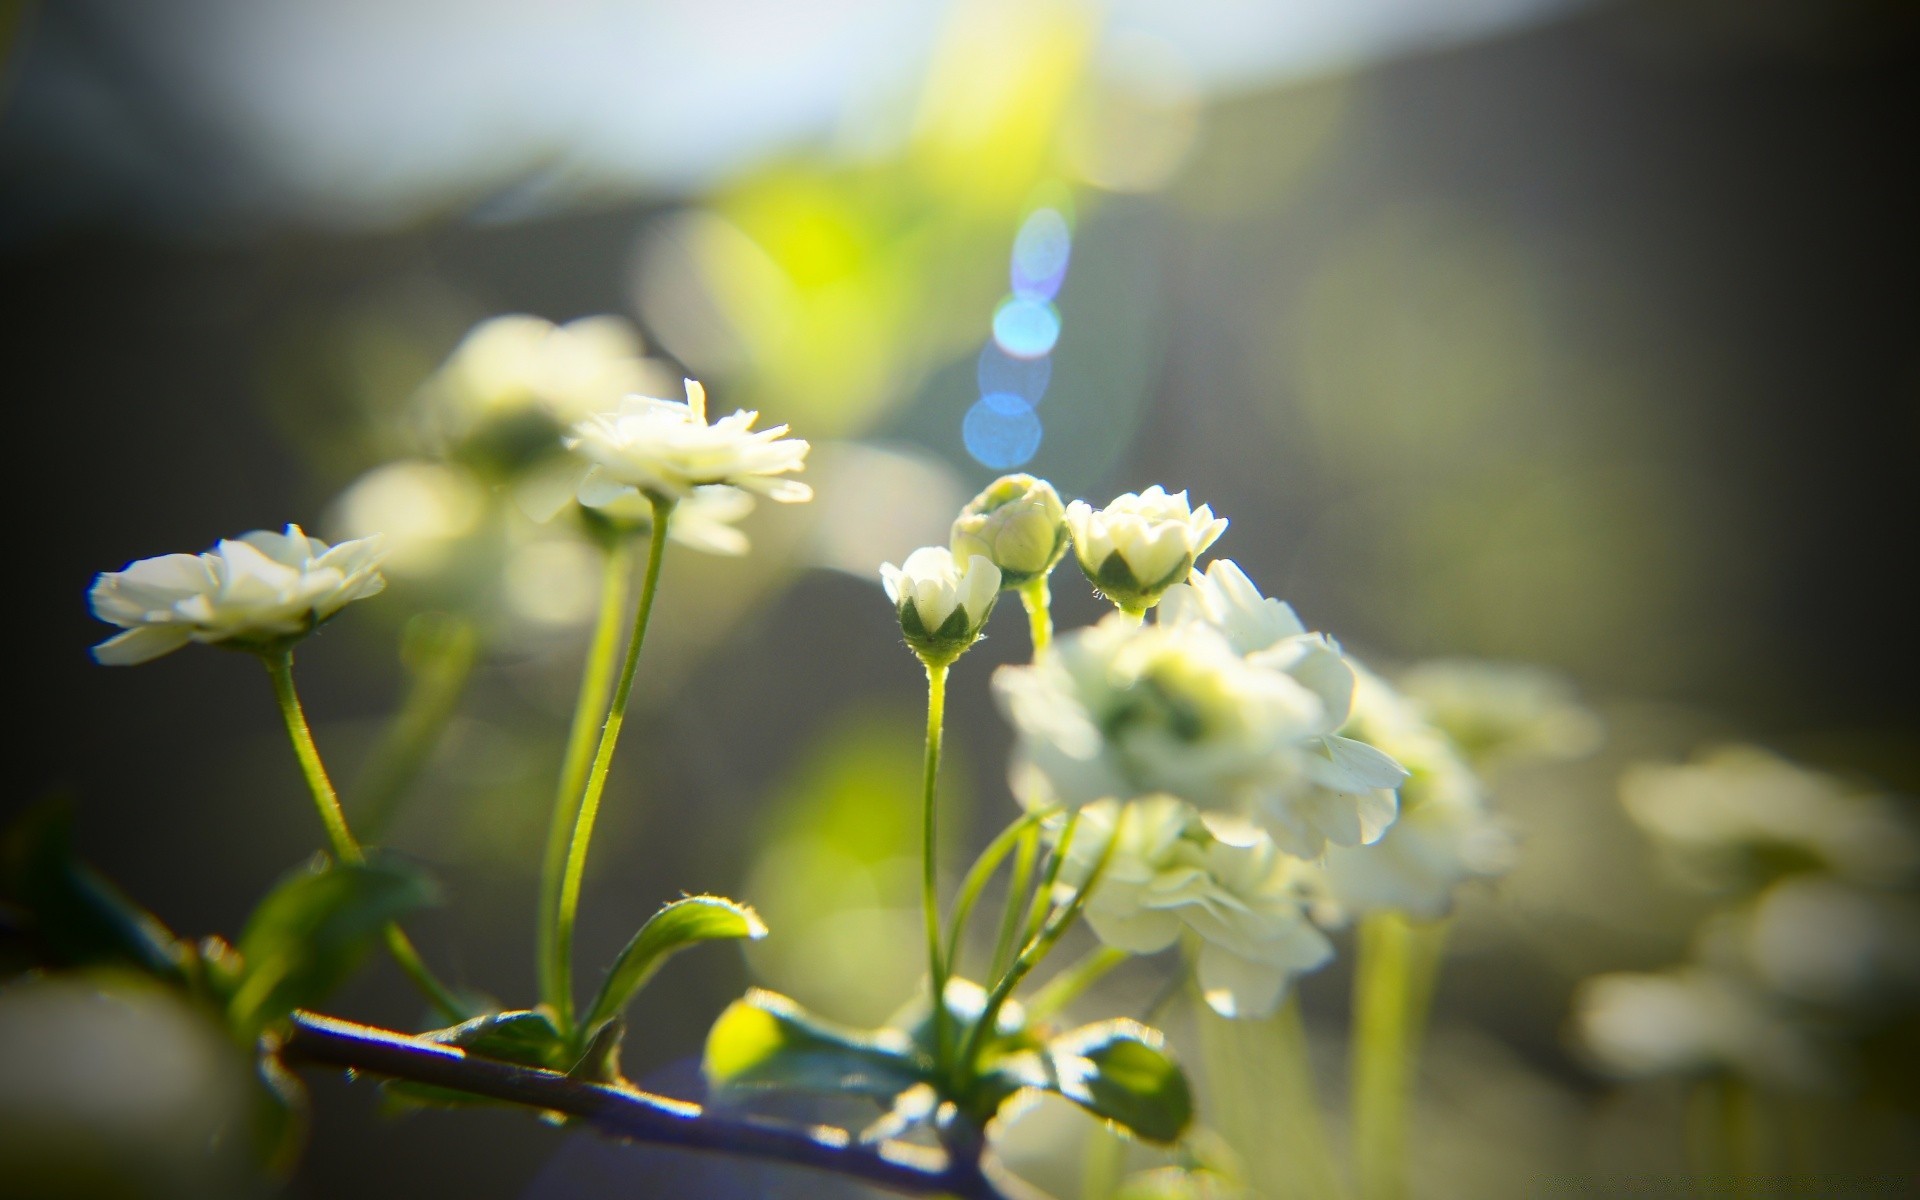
666, 448
704, 521
1444, 836
1119, 711
257, 589
1167, 877
1690, 1021
941, 602
518, 364
1137, 547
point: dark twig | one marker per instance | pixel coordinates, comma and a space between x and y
638, 1116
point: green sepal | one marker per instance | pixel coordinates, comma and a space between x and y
77, 916
312, 930
1117, 1070
674, 928
766, 1041
524, 1036
1115, 580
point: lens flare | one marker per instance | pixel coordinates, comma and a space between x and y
1001, 431
1040, 253
1026, 328
1026, 378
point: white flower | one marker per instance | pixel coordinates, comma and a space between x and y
514, 366
1123, 711
666, 448
1167, 876
703, 521
1736, 812
1498, 711
1444, 835
1018, 524
1691, 1021
258, 589
1140, 545
1343, 789
1815, 939
941, 604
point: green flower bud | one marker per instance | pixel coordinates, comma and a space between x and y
1018, 524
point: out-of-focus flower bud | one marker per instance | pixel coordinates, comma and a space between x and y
1018, 524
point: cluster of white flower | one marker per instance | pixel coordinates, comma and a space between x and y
1816, 936
1242, 767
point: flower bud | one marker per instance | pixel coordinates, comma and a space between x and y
941, 603
1018, 524
1137, 547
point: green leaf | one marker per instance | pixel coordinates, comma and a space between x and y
523, 1036
79, 918
672, 929
765, 1040
1118, 1070
312, 930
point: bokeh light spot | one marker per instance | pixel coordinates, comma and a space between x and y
1001, 431
1026, 378
1040, 253
1026, 328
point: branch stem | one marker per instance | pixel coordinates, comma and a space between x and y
929, 882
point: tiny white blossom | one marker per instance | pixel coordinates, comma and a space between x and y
1167, 876
941, 603
666, 448
1122, 711
1137, 547
254, 590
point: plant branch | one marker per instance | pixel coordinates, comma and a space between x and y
638, 1116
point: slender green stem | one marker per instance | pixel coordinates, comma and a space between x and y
1063, 989
976, 881
590, 706
1043, 895
929, 881
1396, 965
442, 666
1038, 599
1016, 903
574, 872
1726, 1136
345, 848
1035, 950
1260, 1088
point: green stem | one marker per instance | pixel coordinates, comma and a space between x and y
1038, 599
1043, 895
1063, 989
345, 848
1016, 905
977, 877
929, 887
1260, 1088
1395, 969
1035, 950
560, 961
1725, 1136
444, 664
596, 684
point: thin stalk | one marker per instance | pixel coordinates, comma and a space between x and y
1259, 1082
1038, 599
1063, 989
560, 962
1016, 904
345, 847
438, 681
929, 889
1725, 1135
596, 684
1043, 895
976, 881
1394, 974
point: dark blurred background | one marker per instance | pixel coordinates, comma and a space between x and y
1577, 334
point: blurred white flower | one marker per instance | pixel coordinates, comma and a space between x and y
1497, 711
518, 365
941, 603
1137, 547
1222, 596
1694, 1021
666, 448
256, 590
423, 509
1167, 875
1815, 939
1122, 711
703, 521
1739, 812
1018, 524
1444, 835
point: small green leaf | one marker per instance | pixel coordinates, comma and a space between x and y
672, 929
78, 917
312, 930
523, 1036
1119, 1070
764, 1040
